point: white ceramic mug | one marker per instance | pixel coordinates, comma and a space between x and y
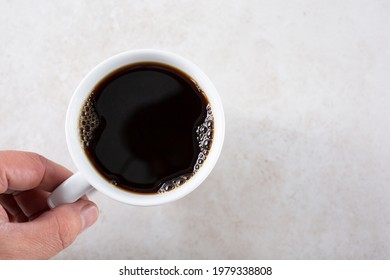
81, 182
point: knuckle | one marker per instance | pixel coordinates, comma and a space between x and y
41, 159
65, 236
39, 166
66, 232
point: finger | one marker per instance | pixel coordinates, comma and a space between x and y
51, 232
32, 202
25, 170
3, 215
9, 203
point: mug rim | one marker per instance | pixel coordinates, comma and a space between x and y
83, 91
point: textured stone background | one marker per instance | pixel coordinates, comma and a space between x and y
304, 173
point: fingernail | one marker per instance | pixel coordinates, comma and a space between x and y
89, 215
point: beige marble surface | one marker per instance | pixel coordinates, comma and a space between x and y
305, 170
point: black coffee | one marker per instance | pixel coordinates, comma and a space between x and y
147, 127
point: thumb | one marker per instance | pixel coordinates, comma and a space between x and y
54, 230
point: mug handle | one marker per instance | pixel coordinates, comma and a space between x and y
71, 190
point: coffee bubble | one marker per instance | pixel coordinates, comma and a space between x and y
204, 136
174, 183
89, 121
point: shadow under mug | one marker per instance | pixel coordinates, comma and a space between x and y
81, 182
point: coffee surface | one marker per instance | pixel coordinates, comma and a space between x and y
140, 127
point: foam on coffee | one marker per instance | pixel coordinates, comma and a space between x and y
204, 138
89, 121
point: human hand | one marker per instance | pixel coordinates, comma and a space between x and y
28, 228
